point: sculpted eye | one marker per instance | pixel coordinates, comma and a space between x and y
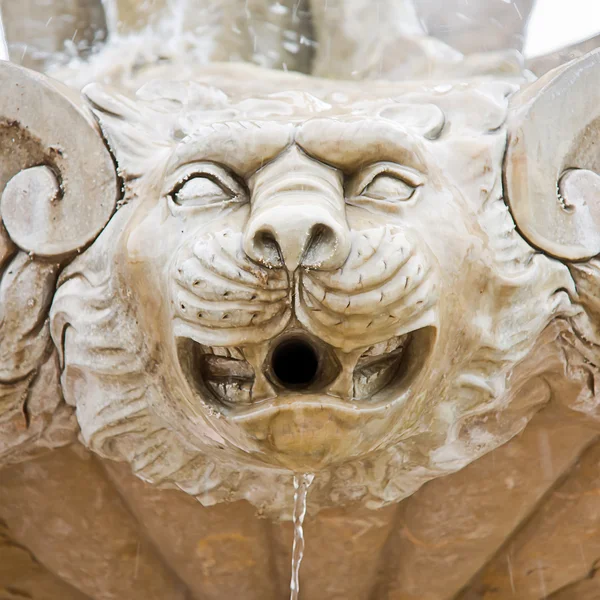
202, 190
387, 186
384, 184
198, 185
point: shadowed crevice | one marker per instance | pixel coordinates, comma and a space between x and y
142, 530
470, 590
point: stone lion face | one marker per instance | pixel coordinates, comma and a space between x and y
316, 283
303, 296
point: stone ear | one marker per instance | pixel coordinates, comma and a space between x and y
57, 178
552, 163
136, 130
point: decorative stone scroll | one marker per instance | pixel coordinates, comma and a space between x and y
59, 190
376, 284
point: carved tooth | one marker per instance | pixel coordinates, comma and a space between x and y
221, 366
376, 349
372, 379
386, 347
236, 353
395, 343
219, 351
234, 391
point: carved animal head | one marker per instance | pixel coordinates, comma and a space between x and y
325, 279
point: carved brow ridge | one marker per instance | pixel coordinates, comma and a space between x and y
343, 144
349, 144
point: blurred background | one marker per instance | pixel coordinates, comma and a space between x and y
558, 23
288, 33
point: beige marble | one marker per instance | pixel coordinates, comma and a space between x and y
392, 264
215, 275
455, 525
65, 511
558, 547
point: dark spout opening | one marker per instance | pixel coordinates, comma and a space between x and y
295, 363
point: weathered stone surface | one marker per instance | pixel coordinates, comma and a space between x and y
270, 34
221, 264
343, 548
68, 514
21, 575
387, 39
59, 188
560, 164
557, 547
586, 589
219, 275
454, 525
412, 299
219, 551
128, 15
476, 26
542, 64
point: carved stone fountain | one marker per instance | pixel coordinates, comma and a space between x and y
380, 269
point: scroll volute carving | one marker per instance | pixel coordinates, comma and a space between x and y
552, 184
58, 179
58, 189
552, 168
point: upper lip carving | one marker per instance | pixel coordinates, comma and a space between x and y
221, 298
357, 321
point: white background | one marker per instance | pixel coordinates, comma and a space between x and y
557, 23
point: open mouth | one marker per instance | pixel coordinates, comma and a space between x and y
297, 363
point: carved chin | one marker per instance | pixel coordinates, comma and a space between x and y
305, 401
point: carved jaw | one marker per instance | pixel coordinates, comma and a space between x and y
303, 399
296, 363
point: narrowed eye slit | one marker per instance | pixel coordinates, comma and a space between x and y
384, 184
202, 190
387, 186
203, 184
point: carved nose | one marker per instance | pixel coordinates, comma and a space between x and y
308, 235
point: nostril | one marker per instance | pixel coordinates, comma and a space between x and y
300, 236
266, 248
322, 243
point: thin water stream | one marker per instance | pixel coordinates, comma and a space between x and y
3, 43
301, 485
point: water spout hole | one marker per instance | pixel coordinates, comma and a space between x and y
295, 363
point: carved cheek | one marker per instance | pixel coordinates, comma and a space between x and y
360, 219
221, 298
386, 288
447, 224
151, 236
